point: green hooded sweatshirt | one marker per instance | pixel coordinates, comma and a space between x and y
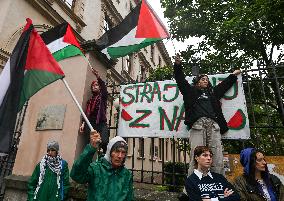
104, 182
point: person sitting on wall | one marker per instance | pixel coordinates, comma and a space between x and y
203, 113
107, 177
50, 178
204, 185
96, 110
256, 184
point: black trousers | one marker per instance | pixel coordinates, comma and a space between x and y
104, 132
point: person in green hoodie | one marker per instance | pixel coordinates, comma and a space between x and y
50, 178
107, 177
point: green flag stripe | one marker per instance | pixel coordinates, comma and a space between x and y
67, 52
35, 80
116, 52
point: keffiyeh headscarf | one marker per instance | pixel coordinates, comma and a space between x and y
55, 165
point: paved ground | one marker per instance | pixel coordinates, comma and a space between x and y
147, 192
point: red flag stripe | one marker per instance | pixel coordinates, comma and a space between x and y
39, 57
149, 24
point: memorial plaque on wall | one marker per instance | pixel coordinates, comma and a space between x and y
51, 117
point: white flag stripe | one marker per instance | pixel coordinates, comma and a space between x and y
129, 39
5, 81
57, 45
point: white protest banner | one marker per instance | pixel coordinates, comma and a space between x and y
155, 109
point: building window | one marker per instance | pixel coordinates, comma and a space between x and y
161, 149
172, 149
178, 155
160, 62
128, 150
128, 66
69, 3
152, 52
107, 25
141, 148
153, 150
167, 149
142, 73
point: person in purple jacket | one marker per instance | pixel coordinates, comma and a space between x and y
96, 111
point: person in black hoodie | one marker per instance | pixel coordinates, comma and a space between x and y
203, 185
203, 113
256, 184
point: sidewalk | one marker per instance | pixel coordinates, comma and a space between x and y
148, 192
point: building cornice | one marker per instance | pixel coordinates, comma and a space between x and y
127, 76
46, 9
162, 48
117, 76
108, 6
143, 60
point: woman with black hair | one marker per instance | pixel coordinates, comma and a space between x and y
256, 184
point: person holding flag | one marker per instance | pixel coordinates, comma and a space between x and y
107, 178
96, 110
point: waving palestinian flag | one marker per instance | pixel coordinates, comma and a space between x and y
61, 42
30, 68
140, 28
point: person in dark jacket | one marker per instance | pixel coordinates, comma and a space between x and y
203, 113
256, 184
96, 111
203, 185
107, 178
50, 178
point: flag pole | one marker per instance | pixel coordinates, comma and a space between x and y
89, 64
78, 105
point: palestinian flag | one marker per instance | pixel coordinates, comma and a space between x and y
61, 42
30, 68
140, 28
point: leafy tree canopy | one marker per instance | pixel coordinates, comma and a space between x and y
237, 31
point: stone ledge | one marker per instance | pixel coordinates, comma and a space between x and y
16, 182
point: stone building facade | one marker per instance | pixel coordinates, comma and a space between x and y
89, 20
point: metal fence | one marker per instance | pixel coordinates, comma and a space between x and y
7, 161
263, 86
164, 161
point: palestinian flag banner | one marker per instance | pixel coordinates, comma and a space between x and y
140, 28
30, 68
62, 42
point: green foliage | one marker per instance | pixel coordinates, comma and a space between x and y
162, 188
236, 31
234, 34
160, 73
175, 175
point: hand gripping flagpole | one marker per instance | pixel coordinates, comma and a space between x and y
78, 105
